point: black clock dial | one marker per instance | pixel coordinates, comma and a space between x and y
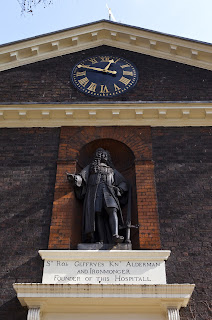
104, 76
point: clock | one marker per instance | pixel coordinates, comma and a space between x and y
104, 76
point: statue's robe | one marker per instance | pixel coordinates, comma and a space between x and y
88, 192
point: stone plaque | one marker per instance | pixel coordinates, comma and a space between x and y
107, 268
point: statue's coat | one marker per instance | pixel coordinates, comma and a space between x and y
88, 192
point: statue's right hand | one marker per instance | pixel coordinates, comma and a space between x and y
74, 179
78, 180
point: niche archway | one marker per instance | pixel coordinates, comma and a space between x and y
131, 152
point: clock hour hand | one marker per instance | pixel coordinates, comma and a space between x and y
96, 69
108, 66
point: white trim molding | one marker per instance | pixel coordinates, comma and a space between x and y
104, 255
105, 32
104, 298
167, 114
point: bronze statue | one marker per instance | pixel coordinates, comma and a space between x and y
103, 190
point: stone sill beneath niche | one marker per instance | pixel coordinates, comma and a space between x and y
130, 298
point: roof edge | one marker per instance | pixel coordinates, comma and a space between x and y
107, 33
100, 21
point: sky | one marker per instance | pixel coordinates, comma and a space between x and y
185, 18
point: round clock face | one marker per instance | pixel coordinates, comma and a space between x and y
104, 76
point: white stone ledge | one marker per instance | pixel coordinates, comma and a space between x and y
104, 290
103, 255
103, 298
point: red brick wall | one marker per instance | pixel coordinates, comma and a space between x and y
147, 206
134, 161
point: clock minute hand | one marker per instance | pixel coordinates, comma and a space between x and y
96, 69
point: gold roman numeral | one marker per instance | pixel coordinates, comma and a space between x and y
127, 73
105, 59
124, 80
93, 60
83, 81
92, 86
104, 89
80, 74
125, 66
116, 88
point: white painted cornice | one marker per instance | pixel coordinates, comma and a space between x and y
103, 298
105, 255
106, 33
106, 114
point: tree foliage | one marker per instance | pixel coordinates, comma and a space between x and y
29, 5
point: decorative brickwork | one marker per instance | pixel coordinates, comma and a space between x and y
159, 80
27, 177
183, 170
125, 146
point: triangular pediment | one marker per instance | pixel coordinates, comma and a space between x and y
105, 32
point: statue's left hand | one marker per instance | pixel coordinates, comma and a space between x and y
70, 177
119, 191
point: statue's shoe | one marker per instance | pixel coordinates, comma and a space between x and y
117, 238
100, 242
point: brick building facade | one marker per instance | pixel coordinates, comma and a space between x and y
161, 127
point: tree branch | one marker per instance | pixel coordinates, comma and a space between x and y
29, 5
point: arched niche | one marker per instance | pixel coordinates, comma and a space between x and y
131, 151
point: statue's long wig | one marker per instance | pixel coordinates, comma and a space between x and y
95, 165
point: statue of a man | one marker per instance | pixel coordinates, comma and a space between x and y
103, 189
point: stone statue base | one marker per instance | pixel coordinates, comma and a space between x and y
105, 246
105, 267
